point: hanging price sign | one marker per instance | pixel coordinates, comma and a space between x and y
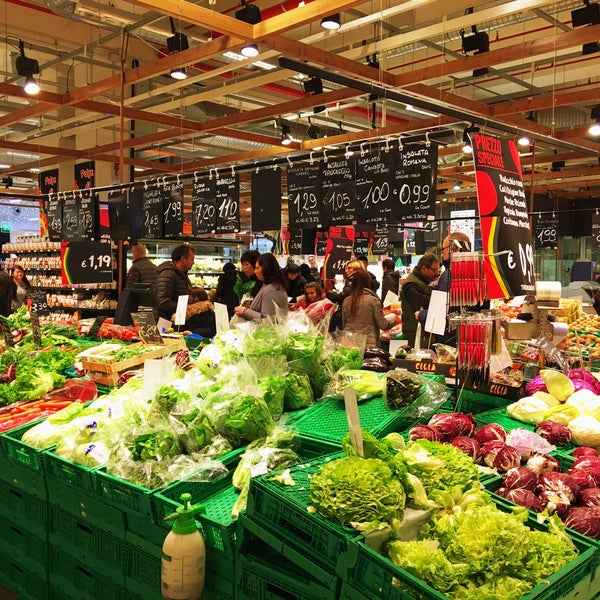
54, 214
39, 302
86, 262
338, 192
204, 210
546, 232
172, 210
304, 192
36, 330
146, 327
228, 204
152, 206
5, 332
374, 175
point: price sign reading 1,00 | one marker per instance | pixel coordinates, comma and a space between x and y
413, 194
376, 194
96, 263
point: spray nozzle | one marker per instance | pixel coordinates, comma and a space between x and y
183, 517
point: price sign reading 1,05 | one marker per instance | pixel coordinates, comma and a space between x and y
103, 261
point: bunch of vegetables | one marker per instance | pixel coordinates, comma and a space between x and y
490, 445
571, 400
574, 495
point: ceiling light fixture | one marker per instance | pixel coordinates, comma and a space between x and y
467, 148
524, 140
178, 42
477, 42
331, 22
595, 127
27, 67
585, 17
456, 186
249, 13
7, 181
286, 139
314, 86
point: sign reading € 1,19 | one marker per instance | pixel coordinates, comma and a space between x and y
86, 262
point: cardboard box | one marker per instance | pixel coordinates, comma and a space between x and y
426, 366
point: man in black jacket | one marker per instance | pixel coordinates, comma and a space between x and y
173, 281
142, 270
8, 292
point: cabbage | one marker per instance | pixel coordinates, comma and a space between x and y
558, 384
586, 402
507, 458
585, 430
528, 410
451, 425
519, 477
584, 451
521, 496
560, 483
585, 520
554, 432
583, 375
424, 432
561, 414
549, 399
542, 463
489, 432
535, 385
590, 497
470, 446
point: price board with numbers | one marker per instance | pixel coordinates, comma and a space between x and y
86, 262
54, 212
381, 240
339, 251
546, 232
39, 301
152, 212
321, 243
596, 230
88, 216
228, 204
172, 210
146, 327
338, 191
304, 193
374, 179
70, 218
96, 325
291, 238
36, 329
204, 206
414, 183
363, 236
5, 332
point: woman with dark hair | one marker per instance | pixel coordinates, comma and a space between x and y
22, 284
272, 298
362, 311
200, 314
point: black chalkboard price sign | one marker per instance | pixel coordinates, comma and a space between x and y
54, 212
172, 210
146, 327
338, 191
228, 204
39, 302
374, 174
88, 216
304, 193
95, 328
596, 230
204, 206
381, 240
70, 219
152, 211
5, 332
414, 183
546, 232
86, 262
36, 330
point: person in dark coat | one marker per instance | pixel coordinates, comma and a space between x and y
173, 280
390, 281
247, 282
8, 292
365, 261
142, 269
295, 281
225, 288
200, 314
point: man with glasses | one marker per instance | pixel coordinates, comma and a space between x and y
415, 294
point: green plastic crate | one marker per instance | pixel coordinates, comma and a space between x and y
15, 450
26, 580
470, 401
376, 576
282, 510
66, 473
142, 563
252, 534
143, 527
23, 478
498, 415
24, 545
19, 506
94, 546
73, 579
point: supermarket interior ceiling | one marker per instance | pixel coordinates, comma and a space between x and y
392, 71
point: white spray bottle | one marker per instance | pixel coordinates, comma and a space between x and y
183, 555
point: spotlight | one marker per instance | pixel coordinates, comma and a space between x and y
595, 127
313, 86
249, 13
557, 165
456, 186
178, 42
286, 140
524, 141
478, 43
7, 181
313, 132
467, 148
584, 17
27, 67
331, 22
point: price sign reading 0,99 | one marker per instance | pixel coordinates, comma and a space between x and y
86, 262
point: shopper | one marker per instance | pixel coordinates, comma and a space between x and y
362, 311
247, 282
22, 286
272, 298
415, 294
338, 297
173, 281
8, 292
294, 281
200, 314
365, 261
142, 269
390, 281
315, 303
225, 293
314, 268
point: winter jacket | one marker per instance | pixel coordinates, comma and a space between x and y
170, 284
390, 283
8, 292
200, 319
142, 270
225, 293
368, 319
269, 300
421, 290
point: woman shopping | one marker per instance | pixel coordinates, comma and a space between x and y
272, 298
23, 286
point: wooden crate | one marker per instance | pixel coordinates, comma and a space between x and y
101, 367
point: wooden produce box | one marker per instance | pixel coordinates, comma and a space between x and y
426, 366
100, 364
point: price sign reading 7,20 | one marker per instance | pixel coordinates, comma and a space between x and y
86, 262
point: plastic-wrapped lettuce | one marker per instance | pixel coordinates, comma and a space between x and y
366, 384
528, 410
298, 392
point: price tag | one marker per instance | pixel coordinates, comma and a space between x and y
146, 327
338, 191
172, 210
304, 191
86, 262
36, 330
152, 207
95, 328
39, 302
228, 204
204, 211
5, 332
374, 175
